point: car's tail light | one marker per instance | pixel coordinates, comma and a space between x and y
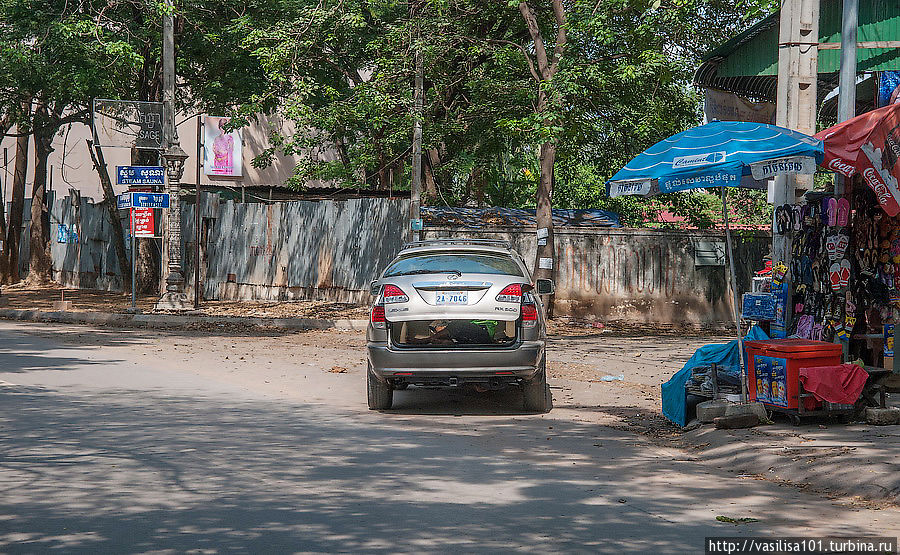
511, 293
529, 315
393, 294
378, 320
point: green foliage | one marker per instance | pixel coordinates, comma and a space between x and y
346, 69
65, 54
342, 71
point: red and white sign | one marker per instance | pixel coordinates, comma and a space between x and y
142, 220
868, 144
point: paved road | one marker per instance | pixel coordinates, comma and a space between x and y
110, 441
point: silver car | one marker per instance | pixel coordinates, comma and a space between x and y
457, 312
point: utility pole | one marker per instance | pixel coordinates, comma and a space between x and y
415, 194
798, 55
174, 156
847, 85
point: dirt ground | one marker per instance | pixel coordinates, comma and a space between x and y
29, 297
607, 375
26, 297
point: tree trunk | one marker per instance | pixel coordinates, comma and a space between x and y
544, 197
147, 263
478, 185
17, 209
431, 188
543, 68
40, 266
4, 272
112, 212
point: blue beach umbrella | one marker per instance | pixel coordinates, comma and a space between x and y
719, 154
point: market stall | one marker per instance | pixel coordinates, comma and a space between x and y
838, 297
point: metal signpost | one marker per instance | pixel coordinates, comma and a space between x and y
138, 203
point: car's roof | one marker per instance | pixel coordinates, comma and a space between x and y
455, 248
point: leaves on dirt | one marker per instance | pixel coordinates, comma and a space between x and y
338, 370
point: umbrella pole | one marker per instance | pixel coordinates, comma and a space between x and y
734, 291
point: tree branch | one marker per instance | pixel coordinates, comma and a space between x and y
560, 14
535, 31
531, 68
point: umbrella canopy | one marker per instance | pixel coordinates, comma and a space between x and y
718, 154
868, 144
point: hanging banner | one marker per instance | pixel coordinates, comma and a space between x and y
726, 106
142, 221
223, 152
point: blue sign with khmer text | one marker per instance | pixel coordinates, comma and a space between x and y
140, 175
142, 200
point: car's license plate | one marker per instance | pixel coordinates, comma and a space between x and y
451, 297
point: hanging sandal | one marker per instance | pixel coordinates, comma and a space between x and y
832, 212
843, 212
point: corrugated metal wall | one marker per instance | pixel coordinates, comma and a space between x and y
331, 250
296, 250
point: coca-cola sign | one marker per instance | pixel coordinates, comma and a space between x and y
892, 147
877, 184
842, 166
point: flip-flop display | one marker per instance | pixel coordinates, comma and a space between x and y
845, 269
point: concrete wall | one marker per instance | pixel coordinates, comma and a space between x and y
636, 274
70, 166
331, 250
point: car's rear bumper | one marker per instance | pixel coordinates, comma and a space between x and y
464, 364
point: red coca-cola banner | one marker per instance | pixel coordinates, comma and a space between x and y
868, 144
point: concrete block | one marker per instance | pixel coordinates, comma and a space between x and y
883, 417
757, 409
62, 305
707, 411
746, 420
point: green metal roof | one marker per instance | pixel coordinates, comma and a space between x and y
748, 63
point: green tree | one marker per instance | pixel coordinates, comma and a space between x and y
57, 56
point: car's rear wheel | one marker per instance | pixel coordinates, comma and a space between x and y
536, 392
379, 394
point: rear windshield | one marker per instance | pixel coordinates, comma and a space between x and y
466, 263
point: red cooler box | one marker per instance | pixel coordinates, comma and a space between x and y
773, 368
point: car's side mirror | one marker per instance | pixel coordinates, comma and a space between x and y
374, 288
545, 287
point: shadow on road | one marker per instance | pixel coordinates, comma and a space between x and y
462, 401
130, 471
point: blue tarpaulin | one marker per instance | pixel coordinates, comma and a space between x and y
674, 406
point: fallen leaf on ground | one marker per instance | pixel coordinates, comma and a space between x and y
338, 370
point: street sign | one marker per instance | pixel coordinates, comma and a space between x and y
142, 200
140, 175
128, 123
150, 200
143, 222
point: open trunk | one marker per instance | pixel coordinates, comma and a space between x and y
454, 333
